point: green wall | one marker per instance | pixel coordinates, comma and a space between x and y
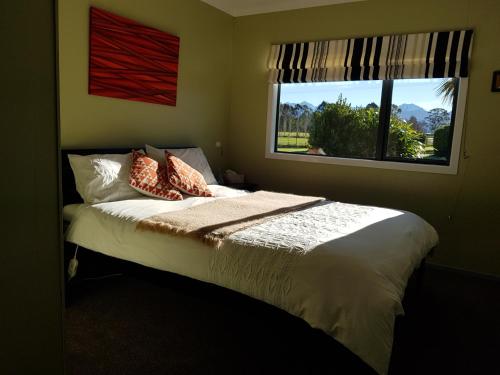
202, 112
471, 198
30, 264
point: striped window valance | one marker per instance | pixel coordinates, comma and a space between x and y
424, 55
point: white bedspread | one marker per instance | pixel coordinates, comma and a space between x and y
341, 267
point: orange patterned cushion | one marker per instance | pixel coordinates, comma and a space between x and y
148, 178
186, 178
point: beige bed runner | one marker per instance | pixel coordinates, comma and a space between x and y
214, 221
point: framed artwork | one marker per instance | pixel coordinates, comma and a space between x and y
495, 85
131, 61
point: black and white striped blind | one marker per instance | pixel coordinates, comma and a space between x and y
424, 55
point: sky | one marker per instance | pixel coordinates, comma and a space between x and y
421, 92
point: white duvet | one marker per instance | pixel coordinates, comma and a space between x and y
343, 268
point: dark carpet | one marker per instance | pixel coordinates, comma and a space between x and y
150, 322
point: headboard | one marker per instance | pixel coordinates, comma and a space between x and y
70, 195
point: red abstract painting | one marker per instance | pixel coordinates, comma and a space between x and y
131, 61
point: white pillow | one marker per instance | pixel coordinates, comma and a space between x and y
193, 156
102, 178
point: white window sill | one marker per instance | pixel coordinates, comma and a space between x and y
429, 168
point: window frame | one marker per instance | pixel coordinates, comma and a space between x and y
457, 117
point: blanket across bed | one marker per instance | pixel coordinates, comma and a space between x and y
213, 222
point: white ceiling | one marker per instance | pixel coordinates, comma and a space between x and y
238, 8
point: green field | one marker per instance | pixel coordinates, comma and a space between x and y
293, 149
293, 141
428, 146
299, 142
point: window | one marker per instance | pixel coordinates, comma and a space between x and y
409, 124
390, 101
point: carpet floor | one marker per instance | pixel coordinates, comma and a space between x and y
149, 322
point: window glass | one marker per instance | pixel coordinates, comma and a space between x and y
407, 120
333, 119
421, 119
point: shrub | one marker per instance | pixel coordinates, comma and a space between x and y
343, 131
404, 140
442, 140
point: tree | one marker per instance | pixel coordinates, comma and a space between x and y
446, 89
293, 121
418, 126
436, 117
324, 104
442, 141
372, 105
304, 118
284, 117
404, 141
287, 117
395, 110
413, 120
293, 118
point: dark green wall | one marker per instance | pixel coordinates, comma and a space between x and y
30, 272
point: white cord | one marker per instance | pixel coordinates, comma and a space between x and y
73, 265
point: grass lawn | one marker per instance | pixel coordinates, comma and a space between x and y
293, 140
429, 151
293, 149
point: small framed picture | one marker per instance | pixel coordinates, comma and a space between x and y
495, 85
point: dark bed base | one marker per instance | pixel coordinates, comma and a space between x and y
328, 356
333, 357
94, 265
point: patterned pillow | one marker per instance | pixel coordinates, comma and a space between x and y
185, 178
148, 178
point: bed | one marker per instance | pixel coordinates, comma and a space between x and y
342, 268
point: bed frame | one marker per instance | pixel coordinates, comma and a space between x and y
103, 264
70, 195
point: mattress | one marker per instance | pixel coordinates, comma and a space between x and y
342, 268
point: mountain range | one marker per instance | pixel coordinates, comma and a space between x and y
407, 110
312, 107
